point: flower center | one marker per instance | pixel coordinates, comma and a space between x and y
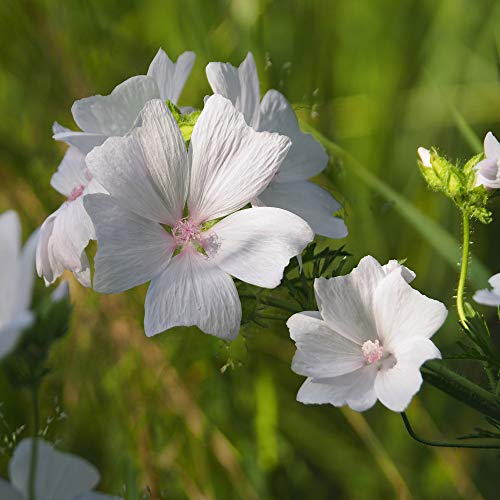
372, 351
185, 231
76, 192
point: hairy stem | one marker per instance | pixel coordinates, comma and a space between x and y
463, 271
34, 446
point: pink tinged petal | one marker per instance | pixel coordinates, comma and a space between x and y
147, 170
231, 163
355, 389
71, 173
394, 266
10, 331
9, 492
115, 114
345, 302
396, 386
256, 244
306, 157
239, 85
402, 313
321, 352
131, 249
193, 291
169, 76
309, 201
59, 476
10, 248
491, 146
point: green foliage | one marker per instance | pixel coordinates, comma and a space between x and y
186, 122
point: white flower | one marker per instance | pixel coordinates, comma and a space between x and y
16, 281
488, 170
59, 476
101, 117
151, 178
425, 156
368, 340
489, 297
290, 189
66, 232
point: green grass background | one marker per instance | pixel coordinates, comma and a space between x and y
380, 78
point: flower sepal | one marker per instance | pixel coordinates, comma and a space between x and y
186, 121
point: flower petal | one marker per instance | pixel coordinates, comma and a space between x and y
132, 250
169, 76
487, 297
306, 157
355, 389
494, 281
256, 244
396, 386
9, 492
83, 141
147, 170
394, 265
309, 201
10, 247
239, 85
402, 312
193, 291
345, 302
231, 163
11, 330
491, 146
321, 352
26, 273
114, 114
71, 173
93, 495
59, 476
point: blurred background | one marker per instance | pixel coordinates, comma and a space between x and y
378, 77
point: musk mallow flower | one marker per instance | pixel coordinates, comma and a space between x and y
290, 189
16, 281
489, 297
488, 170
173, 216
66, 232
368, 339
100, 117
58, 476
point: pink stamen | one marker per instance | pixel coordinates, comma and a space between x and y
185, 231
76, 192
372, 351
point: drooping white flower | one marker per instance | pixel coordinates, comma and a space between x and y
17, 271
489, 297
67, 231
100, 117
58, 476
153, 181
290, 188
488, 170
368, 340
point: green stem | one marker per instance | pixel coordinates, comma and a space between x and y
34, 447
461, 388
463, 271
442, 444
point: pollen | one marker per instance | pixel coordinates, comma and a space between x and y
372, 351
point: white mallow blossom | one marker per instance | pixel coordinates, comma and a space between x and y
153, 181
67, 231
290, 189
368, 340
488, 170
58, 476
100, 117
16, 281
489, 297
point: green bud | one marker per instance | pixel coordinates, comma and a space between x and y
186, 122
456, 182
